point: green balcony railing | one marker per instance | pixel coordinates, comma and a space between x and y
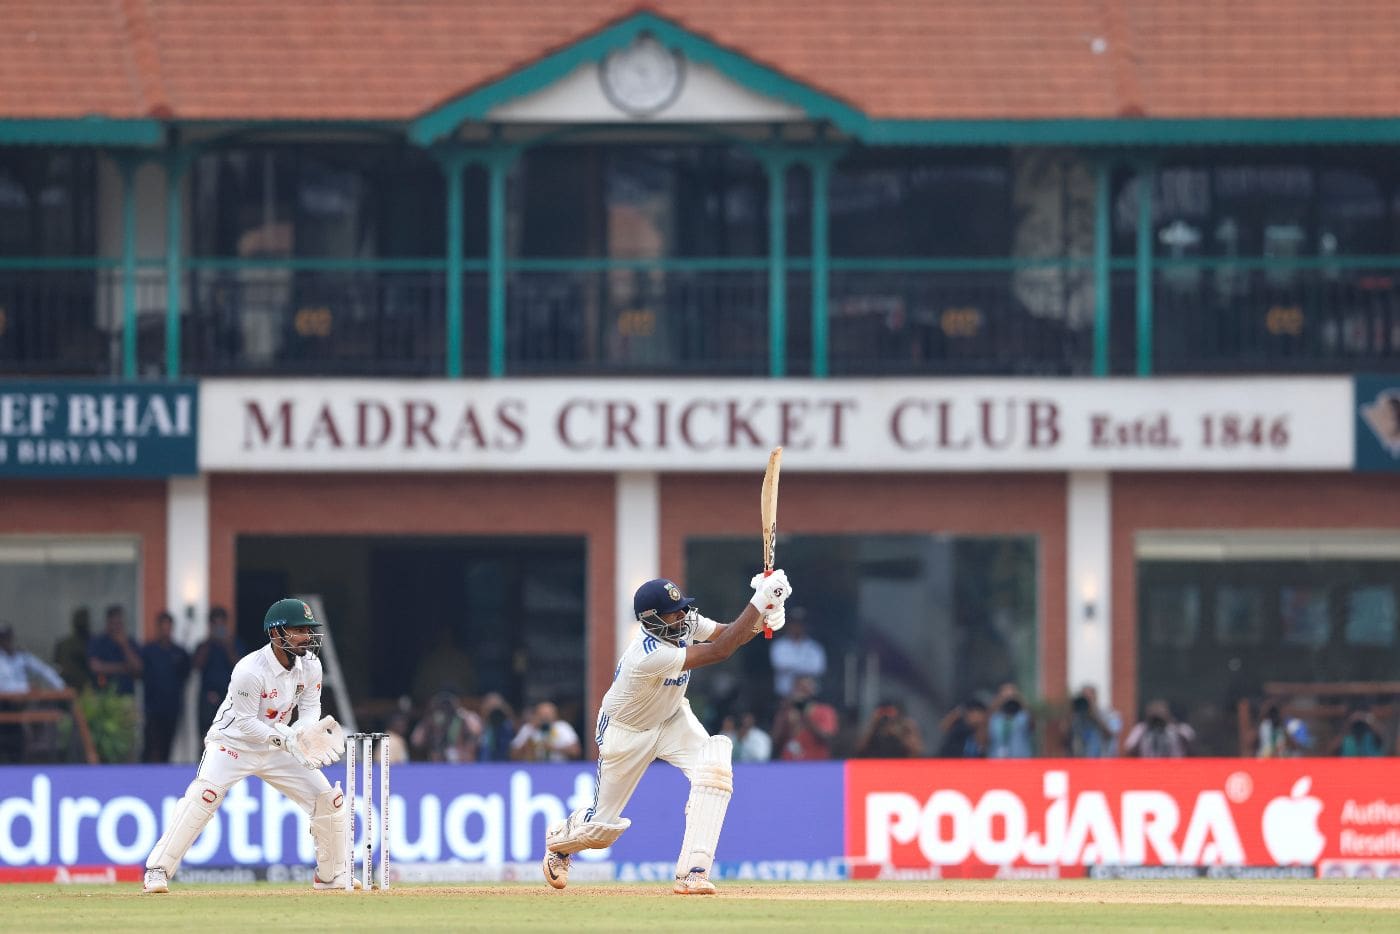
934, 317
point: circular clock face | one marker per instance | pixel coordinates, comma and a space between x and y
642, 79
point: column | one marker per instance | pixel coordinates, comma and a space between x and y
638, 543
187, 589
1089, 639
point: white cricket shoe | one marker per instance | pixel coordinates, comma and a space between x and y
695, 882
556, 869
156, 882
337, 883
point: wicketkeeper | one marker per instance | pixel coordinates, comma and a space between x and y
645, 716
250, 736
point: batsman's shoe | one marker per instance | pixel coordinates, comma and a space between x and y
556, 869
156, 882
695, 882
337, 883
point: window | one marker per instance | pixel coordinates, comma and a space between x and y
47, 582
47, 202
925, 620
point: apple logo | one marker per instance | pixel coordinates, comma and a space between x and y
1290, 826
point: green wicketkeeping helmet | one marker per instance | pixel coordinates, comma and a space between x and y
289, 611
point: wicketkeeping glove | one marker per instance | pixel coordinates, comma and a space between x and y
287, 739
770, 591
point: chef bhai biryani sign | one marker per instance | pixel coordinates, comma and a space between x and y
867, 425
98, 429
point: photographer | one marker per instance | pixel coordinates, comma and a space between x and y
1361, 736
1091, 733
1159, 735
890, 735
1010, 727
804, 727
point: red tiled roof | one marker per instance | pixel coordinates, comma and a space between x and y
893, 59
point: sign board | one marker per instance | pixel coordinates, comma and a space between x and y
98, 429
826, 425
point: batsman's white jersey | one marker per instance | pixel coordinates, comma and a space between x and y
649, 686
262, 693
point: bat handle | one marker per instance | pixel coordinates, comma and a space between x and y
767, 633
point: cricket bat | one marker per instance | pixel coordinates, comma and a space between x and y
768, 510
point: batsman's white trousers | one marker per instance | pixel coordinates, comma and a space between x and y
624, 753
227, 767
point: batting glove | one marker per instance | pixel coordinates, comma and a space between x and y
770, 591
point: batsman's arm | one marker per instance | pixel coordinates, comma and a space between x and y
726, 640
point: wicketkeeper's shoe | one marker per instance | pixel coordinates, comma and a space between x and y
556, 869
695, 882
156, 882
337, 883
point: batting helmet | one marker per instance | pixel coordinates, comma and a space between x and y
659, 596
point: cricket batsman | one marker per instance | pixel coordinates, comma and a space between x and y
645, 716
250, 736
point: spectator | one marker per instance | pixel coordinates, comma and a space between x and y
964, 731
796, 655
113, 658
1362, 736
396, 742
70, 653
1092, 733
890, 735
16, 669
1159, 735
1272, 738
805, 727
214, 659
545, 738
499, 730
751, 744
448, 732
1297, 741
1010, 726
165, 668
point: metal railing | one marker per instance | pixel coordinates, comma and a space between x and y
1000, 317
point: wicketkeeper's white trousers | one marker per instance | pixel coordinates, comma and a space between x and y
277, 767
624, 754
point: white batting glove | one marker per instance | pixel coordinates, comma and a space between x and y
775, 618
770, 591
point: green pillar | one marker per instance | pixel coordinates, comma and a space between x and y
497, 165
1147, 178
821, 264
175, 165
1101, 268
453, 165
776, 166
128, 166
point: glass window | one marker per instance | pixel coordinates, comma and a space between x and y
46, 582
325, 201
638, 202
1278, 612
927, 621
920, 202
47, 202
1371, 616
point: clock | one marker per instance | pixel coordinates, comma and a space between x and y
642, 79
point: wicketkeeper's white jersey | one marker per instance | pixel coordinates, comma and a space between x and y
262, 693
649, 685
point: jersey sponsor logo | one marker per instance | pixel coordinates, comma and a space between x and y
649, 644
229, 752
271, 713
677, 682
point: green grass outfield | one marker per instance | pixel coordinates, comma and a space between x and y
814, 908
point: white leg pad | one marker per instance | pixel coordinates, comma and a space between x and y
192, 812
573, 833
328, 831
711, 786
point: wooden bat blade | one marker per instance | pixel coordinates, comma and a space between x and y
768, 513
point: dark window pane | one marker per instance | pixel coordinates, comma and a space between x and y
47, 202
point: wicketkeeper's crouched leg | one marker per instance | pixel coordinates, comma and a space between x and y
328, 819
711, 785
192, 812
